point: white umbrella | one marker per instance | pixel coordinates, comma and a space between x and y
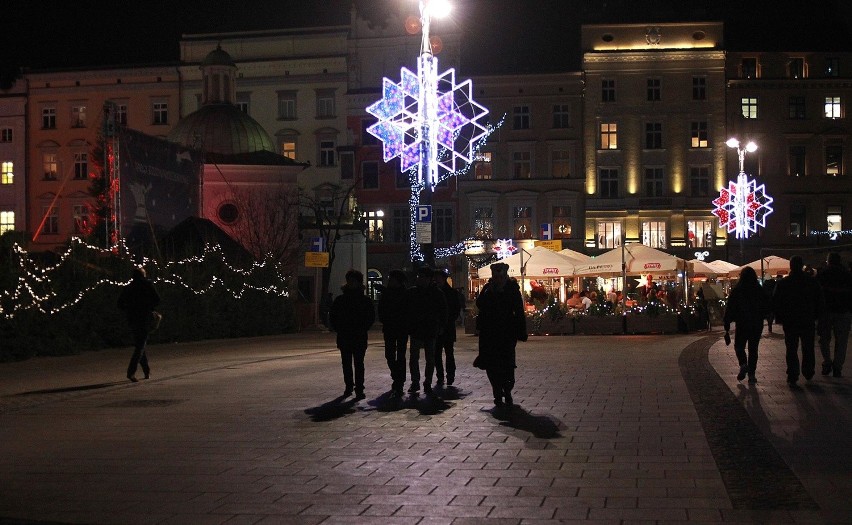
722, 267
771, 265
538, 262
582, 257
702, 269
638, 258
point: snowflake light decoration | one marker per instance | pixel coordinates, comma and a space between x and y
504, 248
743, 206
428, 121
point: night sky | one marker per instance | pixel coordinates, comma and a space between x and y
504, 34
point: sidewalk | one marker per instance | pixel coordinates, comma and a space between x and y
607, 429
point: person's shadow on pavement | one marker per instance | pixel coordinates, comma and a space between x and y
334, 409
78, 388
542, 427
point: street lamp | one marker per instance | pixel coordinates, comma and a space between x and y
751, 147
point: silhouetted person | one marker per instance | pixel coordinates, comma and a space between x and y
138, 300
769, 290
836, 282
447, 339
502, 323
798, 303
351, 316
426, 317
747, 307
392, 314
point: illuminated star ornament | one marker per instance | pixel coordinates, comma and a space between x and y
742, 207
504, 248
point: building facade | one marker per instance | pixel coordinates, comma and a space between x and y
13, 157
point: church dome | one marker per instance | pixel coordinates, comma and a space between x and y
222, 129
218, 57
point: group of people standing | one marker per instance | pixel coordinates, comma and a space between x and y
805, 305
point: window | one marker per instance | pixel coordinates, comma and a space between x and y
50, 165
482, 167
326, 153
121, 114
654, 182
748, 106
288, 149
796, 106
653, 89
653, 135
443, 225
561, 116
80, 215
609, 183
834, 219
796, 161
243, 102
654, 234
375, 226
832, 107
832, 67
748, 68
483, 223
7, 221
560, 164
51, 220
325, 103
699, 88
401, 223
7, 173
521, 117
521, 165
834, 160
367, 138
161, 113
347, 165
81, 165
48, 118
78, 116
522, 222
287, 105
699, 234
798, 221
796, 68
608, 90
609, 234
609, 135
561, 222
6, 135
699, 181
370, 175
699, 135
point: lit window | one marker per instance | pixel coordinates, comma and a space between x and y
609, 234
287, 105
699, 181
521, 117
560, 164
834, 219
482, 166
699, 88
7, 173
561, 116
325, 103
699, 135
161, 112
609, 183
832, 107
81, 165
654, 234
288, 149
608, 90
653, 89
654, 182
749, 107
653, 135
48, 118
522, 165
522, 222
6, 135
78, 116
7, 221
561, 222
326, 153
370, 175
375, 226
609, 135
699, 234
50, 166
483, 223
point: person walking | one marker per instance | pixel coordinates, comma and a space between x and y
446, 340
747, 307
138, 300
351, 316
392, 314
502, 323
798, 303
769, 290
836, 282
426, 317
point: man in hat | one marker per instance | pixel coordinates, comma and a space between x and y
426, 316
446, 341
351, 316
502, 323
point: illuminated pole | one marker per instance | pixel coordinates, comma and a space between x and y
740, 205
427, 71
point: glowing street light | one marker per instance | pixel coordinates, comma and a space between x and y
742, 207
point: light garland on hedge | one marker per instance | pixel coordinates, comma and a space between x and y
25, 297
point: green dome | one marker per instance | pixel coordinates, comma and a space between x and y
222, 129
218, 57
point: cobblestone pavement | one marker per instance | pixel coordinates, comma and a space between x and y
607, 429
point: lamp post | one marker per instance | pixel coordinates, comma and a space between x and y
742, 187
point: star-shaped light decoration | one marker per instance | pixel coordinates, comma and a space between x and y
743, 206
504, 248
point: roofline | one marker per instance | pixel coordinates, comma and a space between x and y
265, 32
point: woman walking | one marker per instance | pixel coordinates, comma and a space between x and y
747, 308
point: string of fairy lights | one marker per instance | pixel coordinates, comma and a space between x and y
35, 289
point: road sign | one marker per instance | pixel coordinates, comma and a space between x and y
423, 230
550, 245
318, 244
424, 213
546, 231
316, 259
